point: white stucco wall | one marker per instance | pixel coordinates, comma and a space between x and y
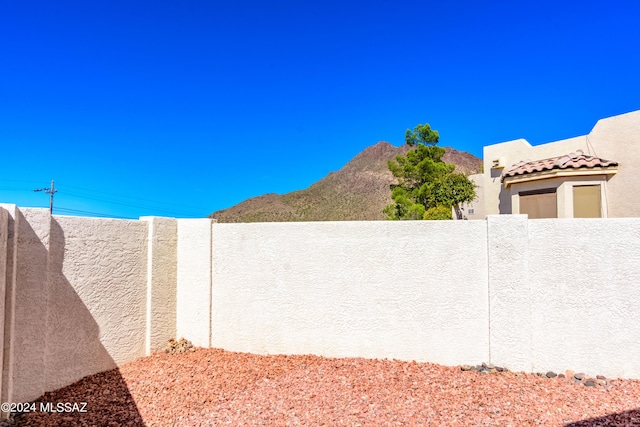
193, 301
564, 294
406, 290
161, 281
4, 236
97, 304
84, 295
76, 301
585, 297
509, 293
28, 317
9, 302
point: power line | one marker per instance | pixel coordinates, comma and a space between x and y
124, 203
132, 198
95, 214
117, 199
50, 191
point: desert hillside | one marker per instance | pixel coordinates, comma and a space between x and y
358, 191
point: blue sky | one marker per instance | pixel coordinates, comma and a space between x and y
183, 108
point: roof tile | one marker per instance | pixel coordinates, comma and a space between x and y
575, 160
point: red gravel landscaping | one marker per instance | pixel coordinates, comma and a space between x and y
211, 387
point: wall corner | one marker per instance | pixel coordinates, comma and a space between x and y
28, 290
162, 266
194, 280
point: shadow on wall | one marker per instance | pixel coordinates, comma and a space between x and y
626, 418
504, 198
63, 345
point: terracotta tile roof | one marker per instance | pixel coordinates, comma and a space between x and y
575, 160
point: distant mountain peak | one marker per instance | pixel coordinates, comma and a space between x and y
358, 191
380, 151
374, 151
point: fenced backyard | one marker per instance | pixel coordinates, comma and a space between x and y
83, 295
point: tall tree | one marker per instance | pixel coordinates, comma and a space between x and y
427, 186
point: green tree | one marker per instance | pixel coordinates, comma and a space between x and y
427, 186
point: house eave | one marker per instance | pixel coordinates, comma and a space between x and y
558, 173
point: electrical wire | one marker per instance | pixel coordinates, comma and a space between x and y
87, 213
131, 205
117, 199
129, 197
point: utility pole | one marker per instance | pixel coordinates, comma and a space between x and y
50, 191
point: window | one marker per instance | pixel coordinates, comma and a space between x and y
539, 203
586, 201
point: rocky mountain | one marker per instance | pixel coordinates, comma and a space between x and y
358, 191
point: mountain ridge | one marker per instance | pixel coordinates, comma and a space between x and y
357, 192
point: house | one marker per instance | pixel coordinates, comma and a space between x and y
590, 176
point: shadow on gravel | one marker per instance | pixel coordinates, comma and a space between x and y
98, 400
626, 418
107, 398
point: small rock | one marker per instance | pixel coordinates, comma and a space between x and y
551, 374
561, 376
590, 383
465, 367
579, 376
500, 369
489, 365
601, 377
601, 382
180, 346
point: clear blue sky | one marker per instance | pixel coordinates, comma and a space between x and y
181, 108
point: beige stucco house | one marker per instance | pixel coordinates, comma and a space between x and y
595, 175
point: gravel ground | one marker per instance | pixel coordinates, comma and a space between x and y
210, 387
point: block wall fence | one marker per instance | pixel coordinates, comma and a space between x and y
84, 295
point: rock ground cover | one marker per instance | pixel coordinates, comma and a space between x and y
210, 387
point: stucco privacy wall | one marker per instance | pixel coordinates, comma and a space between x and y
584, 277
76, 298
84, 295
4, 236
509, 294
161, 281
406, 290
97, 313
27, 295
564, 294
8, 301
193, 301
